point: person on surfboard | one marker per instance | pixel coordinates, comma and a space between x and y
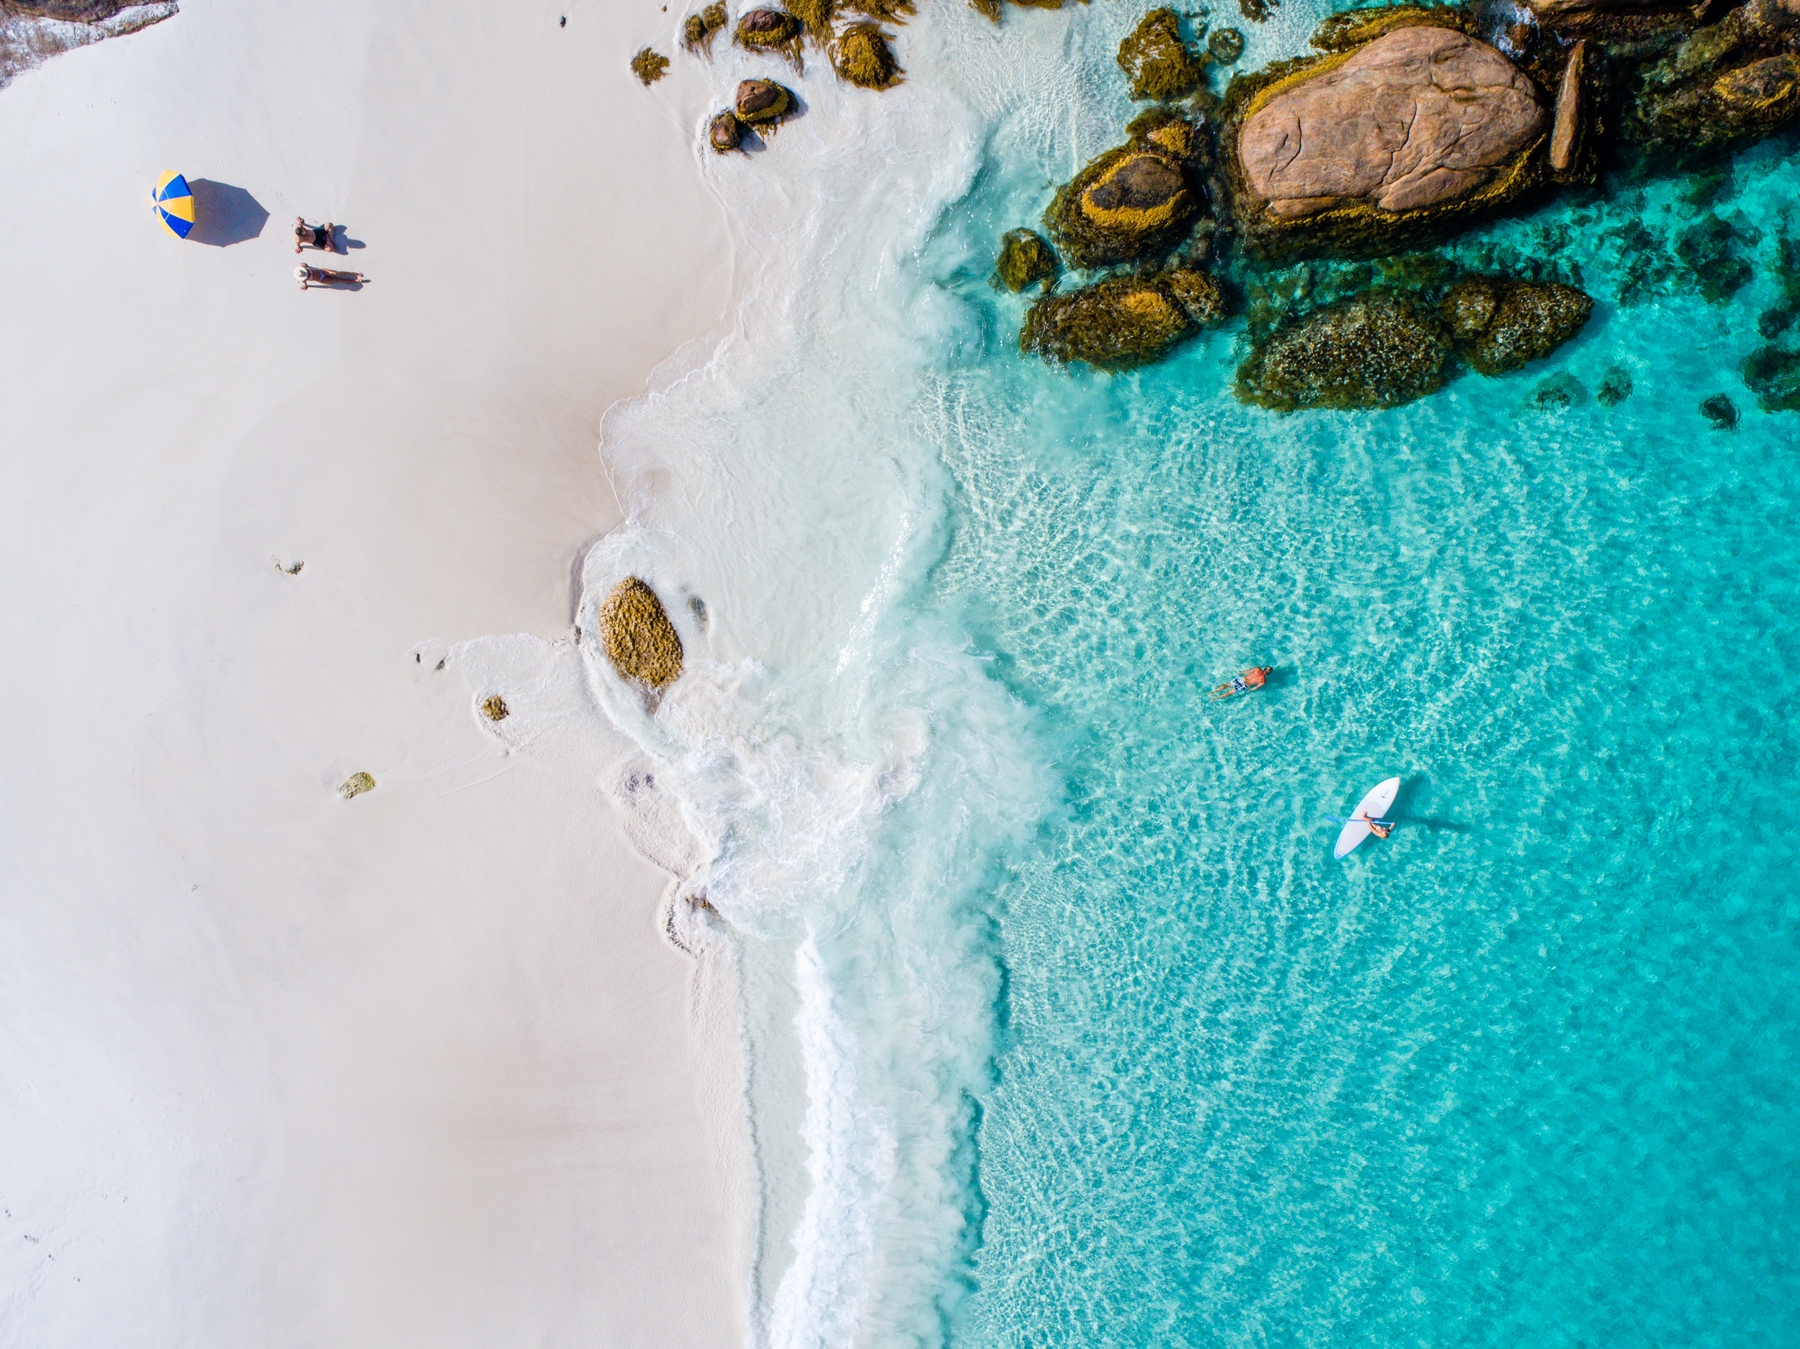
1379, 828
1246, 682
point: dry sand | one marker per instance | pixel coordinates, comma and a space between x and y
277, 1067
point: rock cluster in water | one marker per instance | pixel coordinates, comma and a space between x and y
1410, 124
639, 639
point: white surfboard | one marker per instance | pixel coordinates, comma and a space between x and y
1371, 807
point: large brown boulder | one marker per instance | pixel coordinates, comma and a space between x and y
1418, 117
760, 102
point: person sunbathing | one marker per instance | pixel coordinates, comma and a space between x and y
314, 236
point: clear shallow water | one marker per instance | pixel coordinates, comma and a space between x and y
1064, 1028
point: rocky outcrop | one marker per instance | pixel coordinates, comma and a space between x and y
1123, 321
698, 30
1773, 375
1026, 259
1128, 205
1566, 131
639, 639
762, 103
725, 133
1722, 87
1501, 325
1158, 62
861, 55
1417, 117
1377, 350
769, 30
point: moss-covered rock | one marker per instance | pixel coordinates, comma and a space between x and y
639, 639
1773, 375
355, 785
762, 103
1501, 325
1123, 321
1130, 204
698, 30
815, 17
1258, 11
1026, 259
861, 55
1615, 386
494, 708
1377, 350
1723, 86
725, 133
649, 66
1225, 45
769, 30
1709, 248
1159, 63
1170, 133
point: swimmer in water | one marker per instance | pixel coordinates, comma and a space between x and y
1247, 682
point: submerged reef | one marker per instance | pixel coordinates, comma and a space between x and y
1157, 60
639, 639
1123, 321
1773, 375
1380, 336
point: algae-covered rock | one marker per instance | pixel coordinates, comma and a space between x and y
698, 30
1377, 350
1773, 375
1199, 294
1558, 392
1121, 322
1159, 63
725, 133
1709, 249
1721, 412
769, 30
862, 56
1129, 204
1615, 386
1722, 87
1352, 28
1258, 11
494, 708
1026, 259
1225, 45
639, 639
355, 785
1170, 133
1502, 325
815, 17
762, 102
649, 66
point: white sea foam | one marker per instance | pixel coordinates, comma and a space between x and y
842, 764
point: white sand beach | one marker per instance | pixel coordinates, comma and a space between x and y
278, 1067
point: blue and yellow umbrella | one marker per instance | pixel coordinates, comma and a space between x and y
174, 204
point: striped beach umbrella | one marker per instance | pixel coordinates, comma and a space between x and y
174, 204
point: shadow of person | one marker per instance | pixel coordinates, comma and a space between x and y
223, 214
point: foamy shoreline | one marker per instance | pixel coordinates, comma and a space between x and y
420, 1066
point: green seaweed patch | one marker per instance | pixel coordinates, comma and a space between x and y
883, 11
1380, 349
1130, 204
1158, 61
1780, 316
649, 66
1026, 259
698, 30
1773, 375
1709, 249
1258, 11
638, 638
815, 17
1123, 321
1358, 27
861, 56
1615, 386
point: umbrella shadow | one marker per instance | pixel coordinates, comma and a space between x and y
224, 215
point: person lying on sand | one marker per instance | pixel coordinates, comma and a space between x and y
324, 276
1246, 682
313, 236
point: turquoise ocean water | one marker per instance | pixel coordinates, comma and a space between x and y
1524, 1074
1063, 1027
